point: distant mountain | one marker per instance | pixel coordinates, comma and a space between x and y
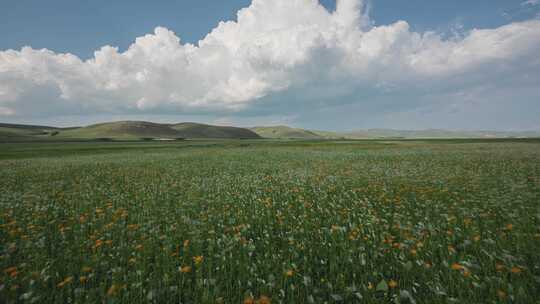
435, 133
127, 130
285, 132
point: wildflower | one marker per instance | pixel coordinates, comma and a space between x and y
10, 270
457, 266
516, 270
509, 227
98, 244
86, 269
65, 282
264, 300
501, 294
249, 300
499, 267
466, 273
185, 269
83, 279
112, 290
139, 247
476, 238
198, 259
370, 286
186, 243
289, 273
392, 284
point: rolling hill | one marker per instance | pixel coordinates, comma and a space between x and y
24, 131
284, 132
139, 130
133, 130
196, 130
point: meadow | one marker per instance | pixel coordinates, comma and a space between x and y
442, 221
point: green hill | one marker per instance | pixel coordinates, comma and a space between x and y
14, 131
132, 130
196, 130
285, 132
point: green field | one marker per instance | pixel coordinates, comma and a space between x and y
254, 221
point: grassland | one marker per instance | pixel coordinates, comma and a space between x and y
454, 221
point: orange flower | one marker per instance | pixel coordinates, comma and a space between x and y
392, 284
249, 300
264, 300
185, 269
509, 227
10, 270
198, 259
289, 273
83, 279
516, 270
457, 266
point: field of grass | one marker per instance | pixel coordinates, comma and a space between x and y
271, 222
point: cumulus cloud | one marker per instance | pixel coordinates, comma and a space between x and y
274, 47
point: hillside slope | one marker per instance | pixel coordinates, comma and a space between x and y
131, 130
285, 132
8, 131
196, 130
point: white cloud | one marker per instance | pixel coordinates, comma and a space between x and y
530, 2
274, 47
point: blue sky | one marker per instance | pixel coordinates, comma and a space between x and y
367, 98
80, 27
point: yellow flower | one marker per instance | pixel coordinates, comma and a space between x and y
509, 227
185, 269
499, 267
112, 290
289, 273
186, 243
65, 282
86, 269
198, 259
83, 279
392, 284
370, 285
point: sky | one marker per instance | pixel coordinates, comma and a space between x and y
341, 66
